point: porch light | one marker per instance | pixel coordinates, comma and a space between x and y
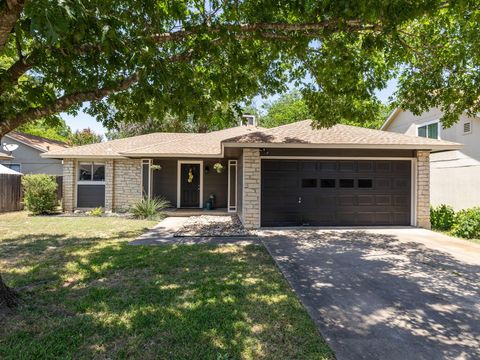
207, 169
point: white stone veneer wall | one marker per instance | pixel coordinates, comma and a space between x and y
251, 188
423, 189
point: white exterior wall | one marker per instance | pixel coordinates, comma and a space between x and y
454, 175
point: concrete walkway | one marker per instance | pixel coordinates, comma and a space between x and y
162, 234
385, 293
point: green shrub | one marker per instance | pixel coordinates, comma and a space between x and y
98, 211
467, 224
442, 217
39, 193
149, 208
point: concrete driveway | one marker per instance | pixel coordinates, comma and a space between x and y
385, 293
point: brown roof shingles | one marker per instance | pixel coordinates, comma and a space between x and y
297, 134
37, 142
337, 136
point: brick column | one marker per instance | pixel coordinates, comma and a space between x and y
109, 186
251, 188
423, 189
69, 183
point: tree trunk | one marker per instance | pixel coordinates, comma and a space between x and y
8, 297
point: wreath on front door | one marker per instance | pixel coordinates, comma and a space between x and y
190, 175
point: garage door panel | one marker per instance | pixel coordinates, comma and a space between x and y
383, 200
346, 200
366, 166
336, 192
365, 200
327, 166
346, 218
382, 183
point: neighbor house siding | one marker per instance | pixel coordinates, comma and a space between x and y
127, 183
251, 188
30, 160
453, 174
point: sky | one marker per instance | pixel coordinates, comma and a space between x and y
82, 120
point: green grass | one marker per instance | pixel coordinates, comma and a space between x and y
88, 294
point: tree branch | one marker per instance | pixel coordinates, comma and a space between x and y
270, 28
64, 103
8, 18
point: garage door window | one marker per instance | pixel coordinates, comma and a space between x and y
327, 183
309, 183
346, 183
365, 183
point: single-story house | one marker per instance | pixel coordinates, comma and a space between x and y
285, 176
25, 157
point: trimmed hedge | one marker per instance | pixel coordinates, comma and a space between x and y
40, 193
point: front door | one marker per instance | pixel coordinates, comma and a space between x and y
190, 185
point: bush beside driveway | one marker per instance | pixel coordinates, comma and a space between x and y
88, 294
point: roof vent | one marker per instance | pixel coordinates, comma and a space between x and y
467, 127
248, 120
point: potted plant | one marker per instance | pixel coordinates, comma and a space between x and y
218, 167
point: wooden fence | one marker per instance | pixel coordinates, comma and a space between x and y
10, 192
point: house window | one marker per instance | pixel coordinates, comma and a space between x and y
14, 167
428, 131
91, 171
467, 127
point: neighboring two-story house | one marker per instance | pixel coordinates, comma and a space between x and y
25, 158
455, 175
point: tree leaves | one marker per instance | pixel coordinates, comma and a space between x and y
189, 56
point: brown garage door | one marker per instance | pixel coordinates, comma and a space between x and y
336, 192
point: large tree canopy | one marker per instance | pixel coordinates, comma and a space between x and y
131, 59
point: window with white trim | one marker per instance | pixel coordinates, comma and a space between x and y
430, 131
91, 171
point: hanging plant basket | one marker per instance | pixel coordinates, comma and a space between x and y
218, 167
156, 167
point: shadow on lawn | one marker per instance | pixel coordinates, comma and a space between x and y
114, 300
373, 294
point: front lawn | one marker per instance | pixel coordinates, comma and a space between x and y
88, 294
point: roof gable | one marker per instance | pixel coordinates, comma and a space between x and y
37, 142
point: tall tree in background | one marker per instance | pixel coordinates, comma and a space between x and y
291, 107
186, 57
288, 108
85, 137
